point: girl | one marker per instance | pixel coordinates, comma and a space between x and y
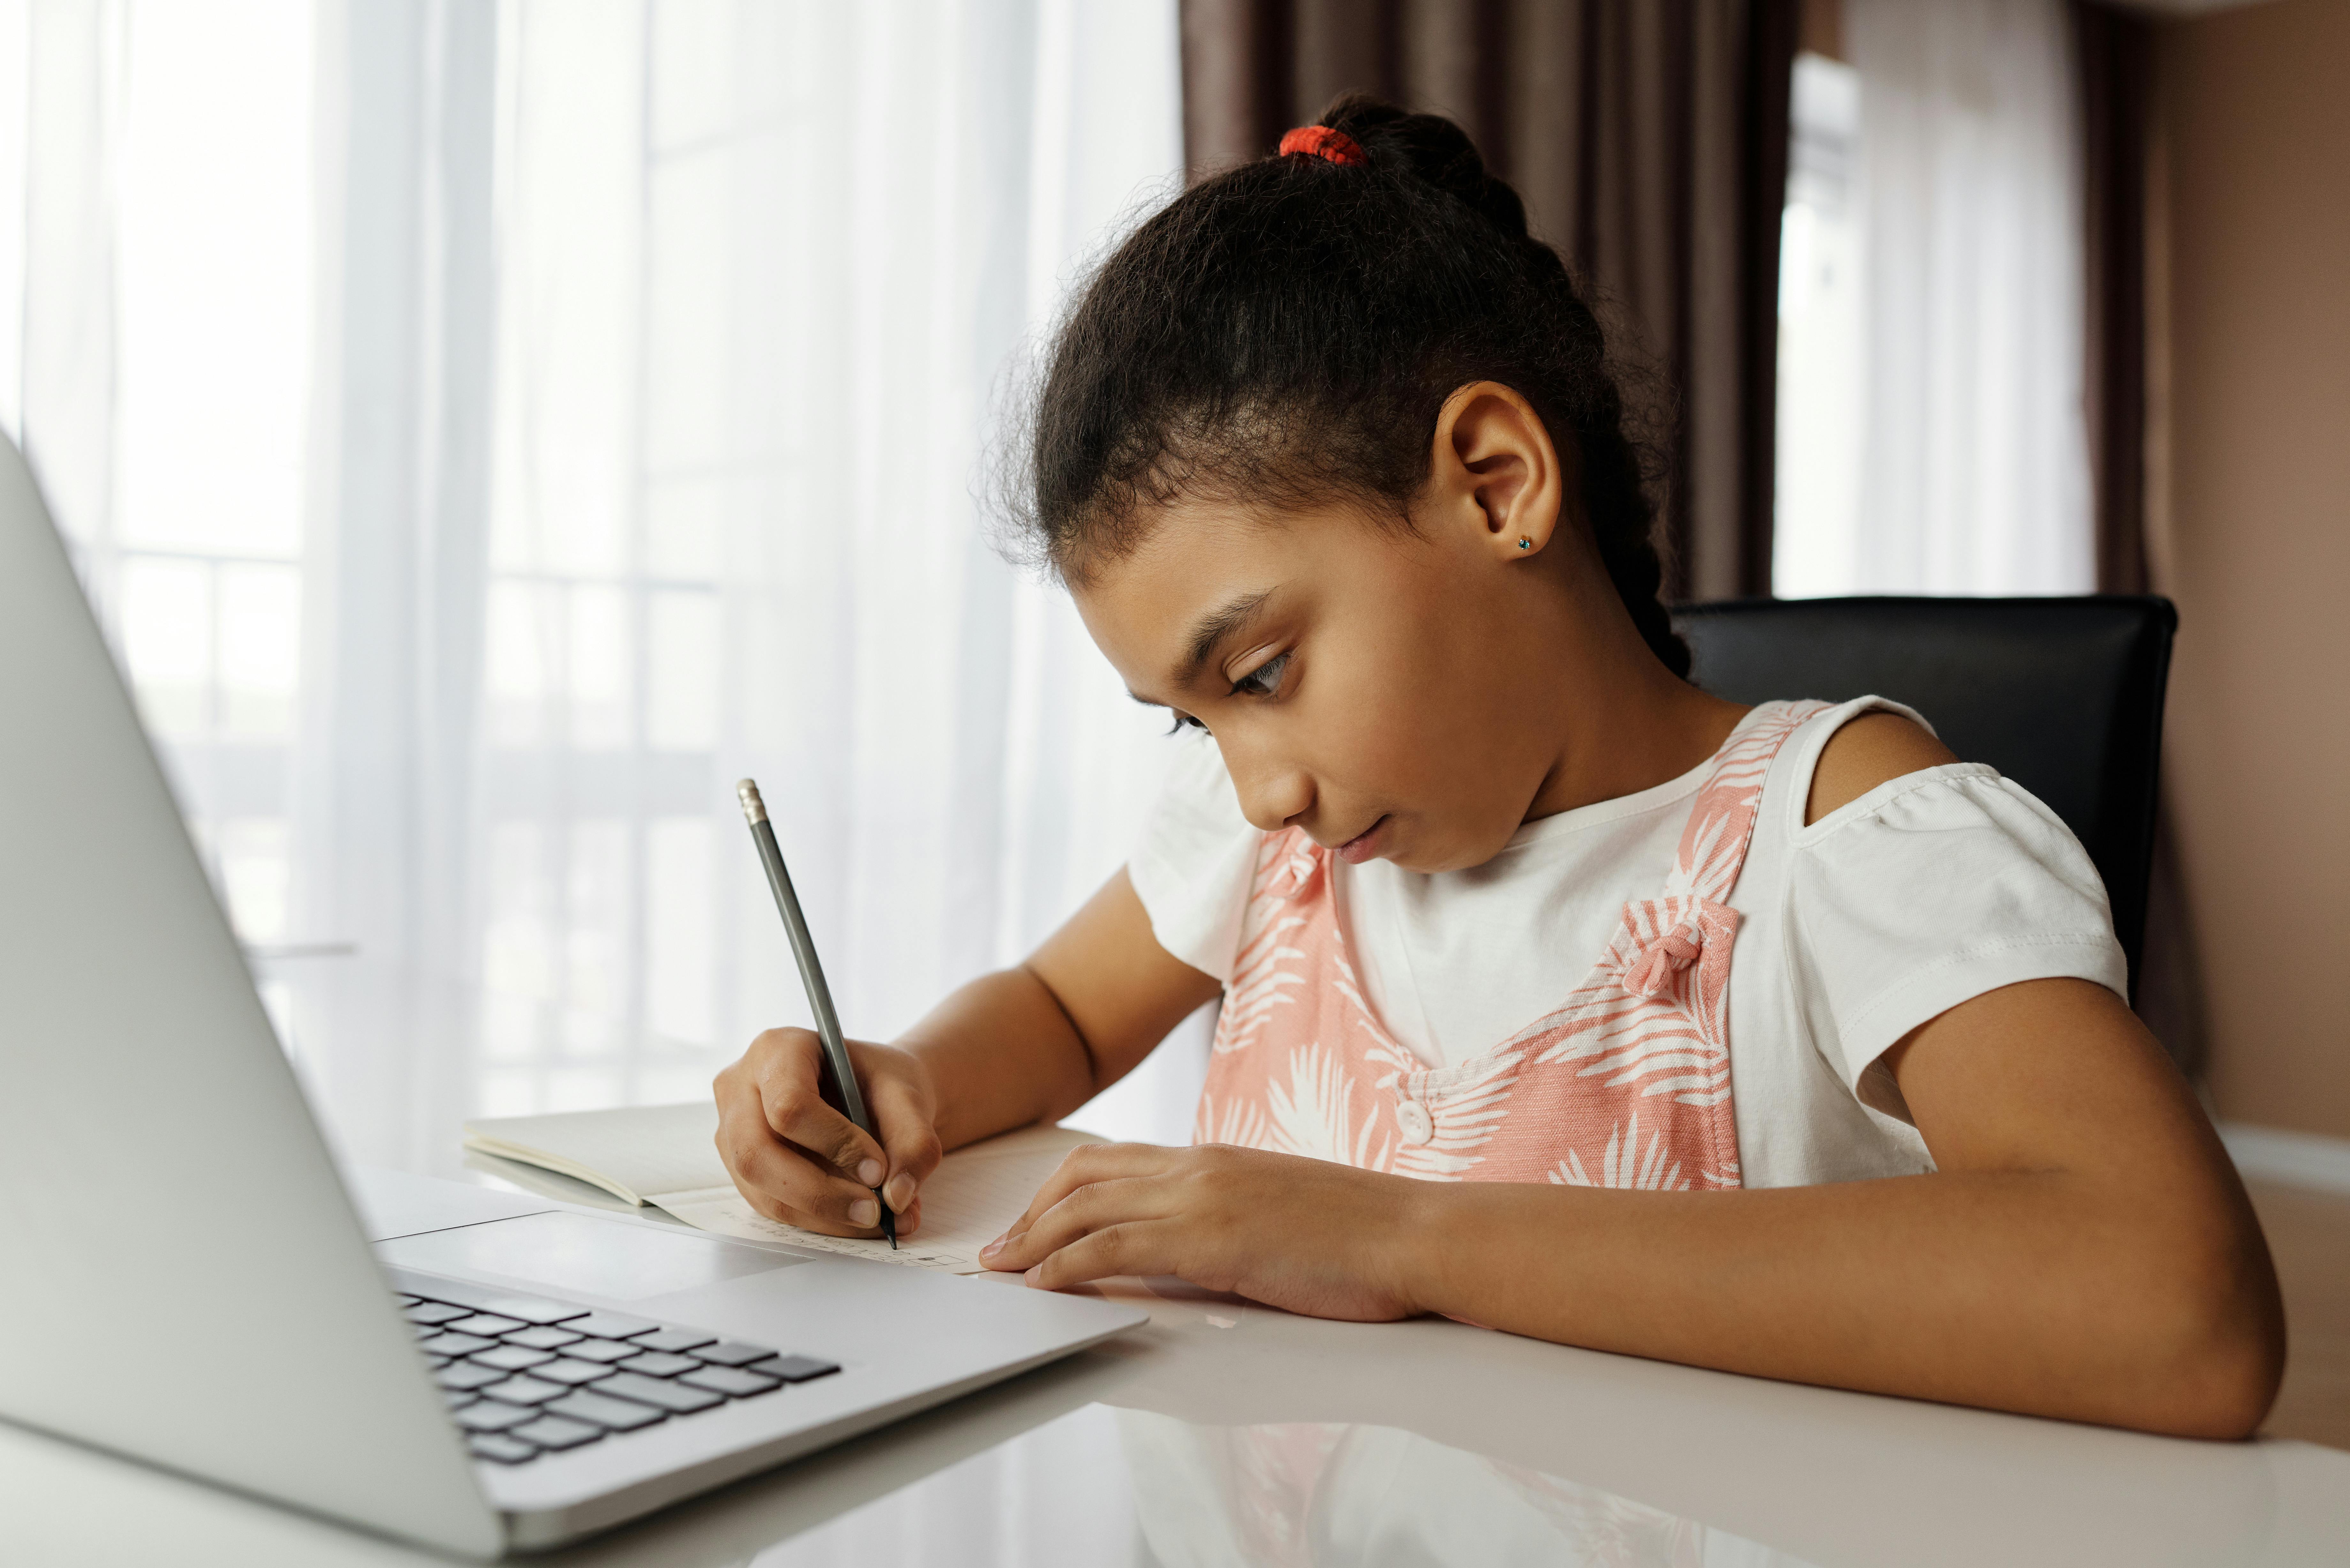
1558, 995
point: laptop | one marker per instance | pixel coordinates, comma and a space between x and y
183, 1277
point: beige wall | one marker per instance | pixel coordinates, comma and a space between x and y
2252, 508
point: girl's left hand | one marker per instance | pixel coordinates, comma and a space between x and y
1305, 1235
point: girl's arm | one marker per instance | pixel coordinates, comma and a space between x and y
1033, 1043
1024, 1045
2084, 1248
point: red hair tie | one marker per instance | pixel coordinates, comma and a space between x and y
1323, 142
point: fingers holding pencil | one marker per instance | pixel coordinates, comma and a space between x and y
797, 1159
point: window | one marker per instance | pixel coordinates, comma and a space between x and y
1931, 434
1815, 543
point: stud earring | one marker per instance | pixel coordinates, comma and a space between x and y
1524, 543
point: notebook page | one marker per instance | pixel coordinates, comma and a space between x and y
645, 1149
971, 1198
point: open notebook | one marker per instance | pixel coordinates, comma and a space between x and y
663, 1156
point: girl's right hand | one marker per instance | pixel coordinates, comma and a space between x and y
798, 1159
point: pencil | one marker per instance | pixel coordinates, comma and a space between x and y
819, 995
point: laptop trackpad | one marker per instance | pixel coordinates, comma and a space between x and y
576, 1253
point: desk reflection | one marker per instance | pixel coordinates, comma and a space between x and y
1108, 1486
1314, 1492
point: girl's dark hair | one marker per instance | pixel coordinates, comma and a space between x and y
1290, 328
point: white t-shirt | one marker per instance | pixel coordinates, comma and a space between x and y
1930, 889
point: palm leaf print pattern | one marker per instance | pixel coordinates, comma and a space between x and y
1264, 977
1626, 1165
1305, 1097
1626, 1083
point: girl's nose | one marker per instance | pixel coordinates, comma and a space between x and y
1271, 792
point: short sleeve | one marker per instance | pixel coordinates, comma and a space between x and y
1927, 891
1193, 867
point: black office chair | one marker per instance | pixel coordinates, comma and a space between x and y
2062, 695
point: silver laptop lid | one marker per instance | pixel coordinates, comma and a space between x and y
181, 1277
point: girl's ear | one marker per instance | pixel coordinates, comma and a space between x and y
1494, 470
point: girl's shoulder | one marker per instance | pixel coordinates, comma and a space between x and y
1869, 748
1855, 769
1899, 881
1192, 863
1197, 803
1839, 753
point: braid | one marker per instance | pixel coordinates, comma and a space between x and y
1622, 518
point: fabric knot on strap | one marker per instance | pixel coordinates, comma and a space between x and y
1653, 968
1299, 871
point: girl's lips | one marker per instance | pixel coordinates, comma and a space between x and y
1363, 846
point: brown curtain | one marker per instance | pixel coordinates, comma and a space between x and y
1650, 140
2114, 53
2113, 49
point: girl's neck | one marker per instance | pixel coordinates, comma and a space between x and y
1633, 725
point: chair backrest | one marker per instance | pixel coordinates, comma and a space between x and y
2062, 695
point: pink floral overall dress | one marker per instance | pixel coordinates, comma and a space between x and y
1626, 1083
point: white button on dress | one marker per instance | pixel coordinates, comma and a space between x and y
1414, 1122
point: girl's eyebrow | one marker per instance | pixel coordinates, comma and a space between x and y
1211, 629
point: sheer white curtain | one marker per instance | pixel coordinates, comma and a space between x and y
538, 416
1933, 439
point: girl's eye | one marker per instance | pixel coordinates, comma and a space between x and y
1265, 679
1183, 721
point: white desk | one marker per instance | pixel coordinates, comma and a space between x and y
1225, 1433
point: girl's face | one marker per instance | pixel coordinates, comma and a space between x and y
1398, 694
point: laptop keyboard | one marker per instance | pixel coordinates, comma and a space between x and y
527, 1375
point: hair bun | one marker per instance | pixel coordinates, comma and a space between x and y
1430, 147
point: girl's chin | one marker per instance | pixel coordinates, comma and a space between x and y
1413, 853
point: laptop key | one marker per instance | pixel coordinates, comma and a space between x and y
602, 1350
457, 1345
488, 1324
492, 1415
674, 1339
541, 1337
610, 1325
557, 1432
458, 1398
512, 1358
732, 1381
526, 1390
654, 1391
437, 1312
619, 1415
795, 1368
732, 1353
535, 1309
571, 1372
653, 1363
497, 1446
465, 1374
